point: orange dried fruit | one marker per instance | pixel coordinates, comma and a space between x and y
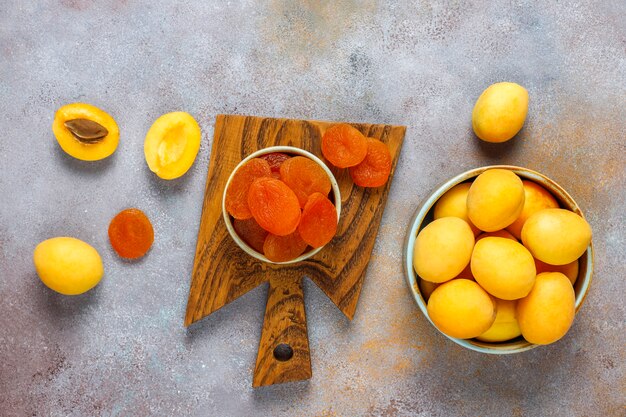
275, 159
304, 177
237, 192
274, 206
284, 248
318, 224
131, 233
251, 233
375, 169
344, 146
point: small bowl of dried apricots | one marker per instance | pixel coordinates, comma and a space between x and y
282, 204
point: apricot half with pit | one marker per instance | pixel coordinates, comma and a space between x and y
85, 132
172, 144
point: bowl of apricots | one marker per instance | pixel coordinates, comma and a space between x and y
499, 259
281, 205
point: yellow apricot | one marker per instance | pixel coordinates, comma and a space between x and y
85, 132
505, 327
556, 236
500, 112
535, 198
498, 233
546, 314
442, 249
461, 308
454, 204
570, 270
67, 265
495, 199
172, 144
503, 267
427, 288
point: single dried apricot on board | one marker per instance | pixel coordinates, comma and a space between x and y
305, 177
131, 233
237, 192
85, 132
344, 146
172, 144
274, 206
318, 224
375, 169
284, 248
251, 233
275, 159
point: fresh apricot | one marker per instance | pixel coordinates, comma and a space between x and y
305, 177
374, 170
284, 248
237, 191
274, 206
85, 132
344, 146
318, 224
535, 198
454, 204
498, 233
505, 327
500, 112
570, 270
250, 232
171, 144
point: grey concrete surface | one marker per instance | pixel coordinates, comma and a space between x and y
121, 349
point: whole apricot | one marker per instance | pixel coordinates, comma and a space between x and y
442, 249
547, 312
495, 199
556, 236
535, 198
67, 265
498, 233
454, 204
503, 267
461, 308
500, 112
570, 270
505, 327
427, 288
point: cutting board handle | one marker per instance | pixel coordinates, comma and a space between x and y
284, 347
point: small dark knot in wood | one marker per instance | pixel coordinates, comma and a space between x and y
283, 352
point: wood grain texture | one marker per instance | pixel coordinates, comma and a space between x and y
223, 272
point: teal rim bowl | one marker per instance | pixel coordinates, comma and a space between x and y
424, 215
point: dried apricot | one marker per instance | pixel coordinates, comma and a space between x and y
318, 224
275, 159
304, 177
251, 233
344, 146
131, 233
375, 169
237, 192
284, 248
274, 206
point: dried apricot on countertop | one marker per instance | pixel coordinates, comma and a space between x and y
344, 146
318, 224
172, 144
237, 192
274, 206
375, 169
305, 177
251, 233
131, 233
275, 159
85, 132
284, 248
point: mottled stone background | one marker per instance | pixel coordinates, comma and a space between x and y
121, 349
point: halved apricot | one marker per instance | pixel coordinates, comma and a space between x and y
344, 146
375, 168
304, 177
237, 192
274, 206
172, 144
85, 132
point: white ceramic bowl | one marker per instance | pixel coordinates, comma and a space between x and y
292, 151
424, 215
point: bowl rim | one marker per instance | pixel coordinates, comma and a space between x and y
284, 149
517, 345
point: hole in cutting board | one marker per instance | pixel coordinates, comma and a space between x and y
283, 352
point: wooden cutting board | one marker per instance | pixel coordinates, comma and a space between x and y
222, 272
